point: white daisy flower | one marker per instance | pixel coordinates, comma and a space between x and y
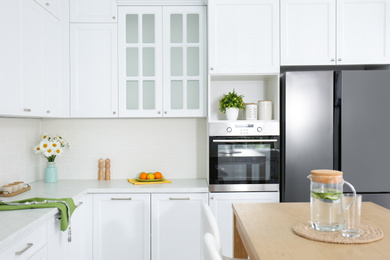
55, 145
58, 151
48, 152
44, 145
37, 149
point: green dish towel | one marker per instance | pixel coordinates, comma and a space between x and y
62, 207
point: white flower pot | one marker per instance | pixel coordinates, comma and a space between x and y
232, 113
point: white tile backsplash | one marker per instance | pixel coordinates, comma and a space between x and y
176, 147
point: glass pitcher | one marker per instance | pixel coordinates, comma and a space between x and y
327, 209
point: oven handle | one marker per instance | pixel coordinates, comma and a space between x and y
246, 141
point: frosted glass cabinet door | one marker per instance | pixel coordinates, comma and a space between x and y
308, 31
363, 32
140, 61
243, 36
184, 61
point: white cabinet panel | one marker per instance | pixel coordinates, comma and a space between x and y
93, 11
335, 32
221, 205
35, 79
308, 32
94, 83
176, 226
26, 246
243, 36
121, 226
80, 248
363, 32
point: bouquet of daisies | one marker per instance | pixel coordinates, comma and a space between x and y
51, 147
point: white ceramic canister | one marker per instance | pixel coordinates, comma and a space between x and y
250, 111
265, 109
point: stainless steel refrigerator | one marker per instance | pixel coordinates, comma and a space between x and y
336, 120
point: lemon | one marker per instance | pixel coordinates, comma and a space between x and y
150, 176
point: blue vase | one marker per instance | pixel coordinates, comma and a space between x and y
51, 172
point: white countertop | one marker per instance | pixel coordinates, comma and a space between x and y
15, 223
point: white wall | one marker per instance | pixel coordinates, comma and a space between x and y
176, 147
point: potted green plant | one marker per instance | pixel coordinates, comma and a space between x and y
231, 104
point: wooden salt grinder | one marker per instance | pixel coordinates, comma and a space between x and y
108, 171
101, 171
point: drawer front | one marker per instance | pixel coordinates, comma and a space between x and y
28, 245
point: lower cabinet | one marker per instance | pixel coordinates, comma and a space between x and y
147, 226
121, 226
221, 205
176, 226
31, 245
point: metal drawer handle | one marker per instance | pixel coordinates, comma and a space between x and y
121, 198
246, 141
29, 245
179, 198
27, 110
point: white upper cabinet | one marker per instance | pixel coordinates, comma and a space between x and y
308, 32
93, 11
35, 71
161, 61
243, 36
94, 80
363, 32
335, 32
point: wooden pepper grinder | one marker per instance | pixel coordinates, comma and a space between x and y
108, 171
101, 171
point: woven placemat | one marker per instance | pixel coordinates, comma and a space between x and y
368, 234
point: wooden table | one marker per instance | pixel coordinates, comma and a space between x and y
264, 231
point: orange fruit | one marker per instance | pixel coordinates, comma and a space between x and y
157, 175
143, 176
150, 176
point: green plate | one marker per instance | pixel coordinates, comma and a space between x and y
154, 180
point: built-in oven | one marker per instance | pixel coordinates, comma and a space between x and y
243, 157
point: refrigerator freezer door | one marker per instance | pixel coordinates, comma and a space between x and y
365, 125
308, 129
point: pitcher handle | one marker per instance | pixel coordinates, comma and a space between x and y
354, 194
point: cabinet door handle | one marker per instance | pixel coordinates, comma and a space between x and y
212, 68
48, 111
339, 59
27, 110
113, 17
29, 245
121, 198
165, 112
187, 198
159, 112
47, 4
332, 59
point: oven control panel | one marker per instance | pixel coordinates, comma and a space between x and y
245, 128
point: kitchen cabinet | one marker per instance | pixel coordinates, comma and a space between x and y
30, 245
243, 36
162, 61
176, 226
34, 52
94, 81
93, 11
121, 226
335, 32
221, 206
80, 248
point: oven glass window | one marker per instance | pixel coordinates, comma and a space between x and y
245, 162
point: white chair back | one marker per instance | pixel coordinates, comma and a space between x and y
210, 249
210, 225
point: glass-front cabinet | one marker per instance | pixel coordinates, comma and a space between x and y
162, 61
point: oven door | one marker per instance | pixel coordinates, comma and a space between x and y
244, 163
